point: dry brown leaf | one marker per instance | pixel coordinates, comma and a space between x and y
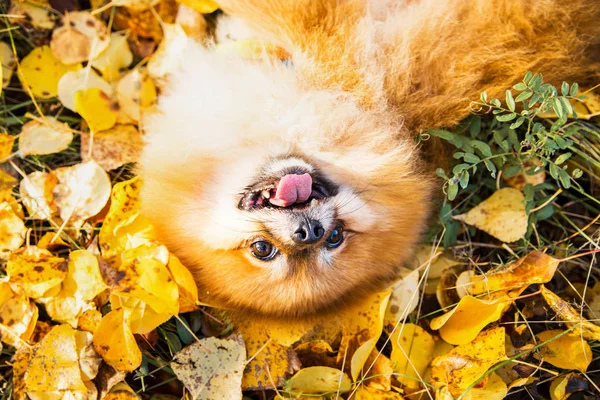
502, 215
80, 37
466, 364
72, 82
212, 368
9, 62
114, 341
44, 136
113, 148
571, 317
78, 192
568, 351
12, 230
40, 71
18, 315
40, 16
31, 190
461, 325
412, 351
116, 58
136, 93
36, 271
535, 267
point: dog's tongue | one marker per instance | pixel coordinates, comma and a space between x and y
292, 189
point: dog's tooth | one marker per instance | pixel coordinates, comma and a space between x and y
266, 194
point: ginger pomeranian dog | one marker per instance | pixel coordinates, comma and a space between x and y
292, 190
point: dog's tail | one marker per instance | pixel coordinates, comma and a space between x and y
430, 58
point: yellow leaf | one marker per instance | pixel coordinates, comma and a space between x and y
412, 351
72, 82
78, 192
96, 108
41, 71
6, 145
89, 320
468, 318
202, 6
212, 368
65, 309
31, 190
188, 291
36, 271
536, 267
365, 393
169, 54
54, 363
315, 380
121, 391
9, 62
568, 351
466, 364
494, 389
115, 58
571, 317
114, 341
19, 367
84, 280
502, 215
143, 319
123, 227
404, 299
80, 37
18, 315
136, 92
136, 4
558, 387
46, 136
40, 16
12, 231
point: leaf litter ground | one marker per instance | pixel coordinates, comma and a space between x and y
500, 300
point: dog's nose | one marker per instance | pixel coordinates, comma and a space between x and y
309, 231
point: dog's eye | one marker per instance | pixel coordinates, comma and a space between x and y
263, 250
336, 237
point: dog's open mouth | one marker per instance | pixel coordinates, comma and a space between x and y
291, 190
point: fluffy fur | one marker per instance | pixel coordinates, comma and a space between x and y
367, 76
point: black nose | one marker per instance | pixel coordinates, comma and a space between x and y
309, 231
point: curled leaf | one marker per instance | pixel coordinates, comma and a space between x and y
571, 317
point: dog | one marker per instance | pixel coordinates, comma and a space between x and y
293, 189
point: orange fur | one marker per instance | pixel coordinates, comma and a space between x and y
367, 77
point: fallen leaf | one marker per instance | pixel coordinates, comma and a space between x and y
136, 4
404, 299
74, 81
315, 380
535, 268
113, 148
12, 231
98, 110
80, 37
144, 25
124, 228
40, 71
202, 6
136, 92
447, 291
571, 317
114, 341
466, 364
89, 320
143, 319
9, 62
45, 136
121, 391
563, 386
494, 389
78, 192
461, 325
19, 367
412, 351
31, 190
63, 309
502, 215
41, 17
188, 291
6, 145
18, 315
366, 393
568, 351
116, 58
212, 368
36, 271
520, 180
109, 378
169, 54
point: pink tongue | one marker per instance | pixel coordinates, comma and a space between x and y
292, 189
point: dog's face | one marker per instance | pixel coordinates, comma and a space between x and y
280, 201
